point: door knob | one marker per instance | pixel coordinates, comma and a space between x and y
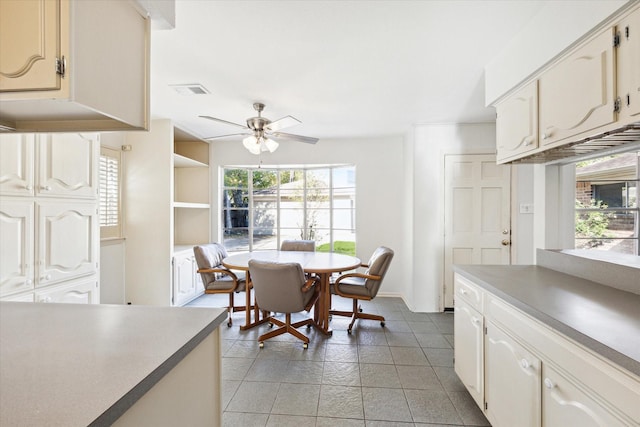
505, 231
506, 242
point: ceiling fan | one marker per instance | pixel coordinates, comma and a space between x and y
263, 134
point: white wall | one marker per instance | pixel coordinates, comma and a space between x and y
380, 190
112, 252
431, 144
557, 25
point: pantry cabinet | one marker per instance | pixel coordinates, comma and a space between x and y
187, 283
577, 94
48, 214
517, 123
66, 65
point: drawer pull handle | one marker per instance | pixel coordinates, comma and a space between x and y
548, 383
525, 364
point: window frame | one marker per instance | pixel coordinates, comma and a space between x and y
251, 209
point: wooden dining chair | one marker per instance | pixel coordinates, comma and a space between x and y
298, 245
283, 288
363, 286
216, 278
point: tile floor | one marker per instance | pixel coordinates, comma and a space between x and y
400, 375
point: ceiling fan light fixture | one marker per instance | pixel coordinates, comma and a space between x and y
270, 144
251, 144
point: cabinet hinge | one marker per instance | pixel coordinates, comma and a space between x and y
616, 40
61, 66
486, 406
485, 330
617, 104
626, 32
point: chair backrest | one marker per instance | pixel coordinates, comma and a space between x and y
209, 256
378, 266
278, 286
298, 245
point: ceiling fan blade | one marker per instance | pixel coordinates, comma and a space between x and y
292, 137
228, 135
282, 123
224, 121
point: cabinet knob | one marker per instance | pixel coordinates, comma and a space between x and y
463, 291
528, 141
525, 364
548, 383
29, 282
475, 320
546, 135
47, 277
45, 187
28, 187
506, 242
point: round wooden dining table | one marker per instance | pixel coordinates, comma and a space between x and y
322, 264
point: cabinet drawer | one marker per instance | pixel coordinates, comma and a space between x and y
467, 291
617, 389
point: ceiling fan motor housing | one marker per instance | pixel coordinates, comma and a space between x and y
257, 123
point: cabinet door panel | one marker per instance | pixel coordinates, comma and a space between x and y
468, 350
513, 377
564, 404
77, 292
629, 67
16, 246
68, 165
30, 44
517, 123
16, 164
66, 246
183, 279
577, 94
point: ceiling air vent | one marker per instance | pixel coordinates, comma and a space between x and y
190, 89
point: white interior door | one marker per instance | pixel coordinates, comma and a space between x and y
477, 214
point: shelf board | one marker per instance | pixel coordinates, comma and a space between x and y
180, 161
191, 205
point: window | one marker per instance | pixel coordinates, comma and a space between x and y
607, 209
261, 207
109, 177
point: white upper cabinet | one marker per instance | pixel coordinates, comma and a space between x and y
517, 123
90, 54
628, 32
29, 64
578, 93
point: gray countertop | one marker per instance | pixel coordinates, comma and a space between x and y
604, 319
79, 365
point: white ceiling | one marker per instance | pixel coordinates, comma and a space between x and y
344, 68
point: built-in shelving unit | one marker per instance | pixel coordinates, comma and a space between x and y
168, 212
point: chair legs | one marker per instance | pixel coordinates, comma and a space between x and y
357, 313
286, 327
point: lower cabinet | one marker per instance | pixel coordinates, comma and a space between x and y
512, 381
521, 372
187, 284
565, 404
469, 360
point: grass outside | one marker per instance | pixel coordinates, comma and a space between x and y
341, 247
